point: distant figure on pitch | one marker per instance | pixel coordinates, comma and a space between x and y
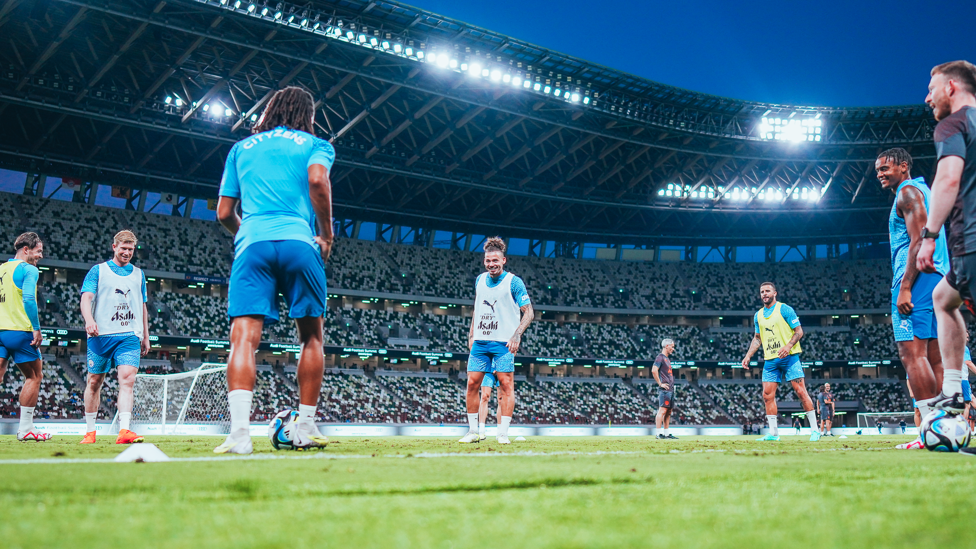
825, 401
778, 333
912, 310
113, 304
486, 385
797, 425
903, 426
20, 328
502, 312
280, 178
665, 398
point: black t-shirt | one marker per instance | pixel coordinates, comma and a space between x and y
955, 135
664, 370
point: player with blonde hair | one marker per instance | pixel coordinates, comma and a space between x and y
113, 304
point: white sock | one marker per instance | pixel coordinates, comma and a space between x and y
923, 409
812, 418
503, 425
473, 422
773, 430
667, 431
26, 418
951, 381
90, 421
481, 428
239, 402
124, 418
306, 414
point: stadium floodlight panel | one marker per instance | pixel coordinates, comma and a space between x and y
792, 129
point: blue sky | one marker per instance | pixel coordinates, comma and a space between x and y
830, 53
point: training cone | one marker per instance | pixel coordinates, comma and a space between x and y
519, 439
141, 452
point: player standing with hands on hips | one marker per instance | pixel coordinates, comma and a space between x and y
664, 377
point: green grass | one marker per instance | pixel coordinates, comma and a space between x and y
572, 492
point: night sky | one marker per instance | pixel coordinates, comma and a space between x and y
829, 53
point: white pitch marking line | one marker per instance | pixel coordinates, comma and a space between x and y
318, 455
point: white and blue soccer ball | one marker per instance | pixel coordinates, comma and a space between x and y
942, 432
281, 431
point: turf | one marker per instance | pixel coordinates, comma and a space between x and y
545, 492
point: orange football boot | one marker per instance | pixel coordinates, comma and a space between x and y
89, 438
128, 437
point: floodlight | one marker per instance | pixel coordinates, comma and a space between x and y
575, 97
223, 2
350, 36
228, 112
397, 48
546, 89
374, 42
516, 81
251, 7
362, 38
408, 52
537, 86
557, 92
264, 11
277, 15
506, 78
254, 118
168, 100
485, 73
206, 108
586, 100
237, 4
179, 102
291, 18
304, 22
420, 54
442, 60
386, 44
453, 63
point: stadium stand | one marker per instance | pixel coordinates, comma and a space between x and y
58, 397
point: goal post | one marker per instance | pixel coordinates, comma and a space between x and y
170, 402
870, 420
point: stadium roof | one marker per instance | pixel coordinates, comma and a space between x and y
436, 123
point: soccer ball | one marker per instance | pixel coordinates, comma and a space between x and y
942, 432
281, 431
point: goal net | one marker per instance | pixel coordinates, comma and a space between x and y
171, 402
887, 419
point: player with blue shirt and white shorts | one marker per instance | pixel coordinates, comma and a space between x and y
280, 179
502, 312
113, 304
912, 308
778, 333
20, 328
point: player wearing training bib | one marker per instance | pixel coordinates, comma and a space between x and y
113, 304
912, 309
778, 333
20, 328
280, 179
502, 312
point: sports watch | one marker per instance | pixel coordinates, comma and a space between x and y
926, 233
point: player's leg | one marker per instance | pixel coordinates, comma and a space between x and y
667, 421
311, 368
506, 397
483, 409
477, 366
659, 421
28, 401
952, 340
127, 354
769, 401
251, 299
93, 399
794, 374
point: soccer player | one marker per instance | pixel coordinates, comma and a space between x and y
113, 304
20, 328
952, 97
486, 385
912, 311
778, 333
665, 398
280, 178
825, 401
502, 312
797, 425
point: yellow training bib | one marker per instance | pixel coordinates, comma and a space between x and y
12, 313
774, 332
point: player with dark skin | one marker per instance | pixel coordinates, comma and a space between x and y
921, 357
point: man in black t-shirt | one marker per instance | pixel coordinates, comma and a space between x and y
665, 380
825, 405
952, 96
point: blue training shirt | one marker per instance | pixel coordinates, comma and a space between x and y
898, 234
519, 294
91, 285
268, 172
25, 278
789, 315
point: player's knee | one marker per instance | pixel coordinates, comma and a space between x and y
95, 381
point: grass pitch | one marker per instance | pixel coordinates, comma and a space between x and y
545, 492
